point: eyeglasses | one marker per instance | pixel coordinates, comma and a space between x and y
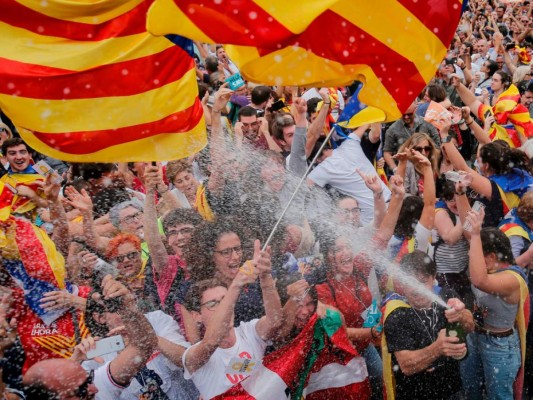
426, 149
212, 304
182, 231
130, 218
226, 253
355, 210
82, 392
130, 256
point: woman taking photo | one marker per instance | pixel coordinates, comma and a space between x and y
495, 357
502, 175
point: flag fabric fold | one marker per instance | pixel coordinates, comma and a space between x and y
394, 48
86, 82
320, 363
512, 119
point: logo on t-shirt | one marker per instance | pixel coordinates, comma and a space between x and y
239, 365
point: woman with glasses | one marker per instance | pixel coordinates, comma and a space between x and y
422, 143
216, 250
125, 254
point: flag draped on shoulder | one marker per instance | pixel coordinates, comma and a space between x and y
84, 81
394, 46
319, 364
512, 121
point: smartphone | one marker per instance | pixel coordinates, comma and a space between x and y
106, 346
478, 92
277, 105
43, 169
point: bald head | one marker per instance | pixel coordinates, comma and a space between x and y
57, 379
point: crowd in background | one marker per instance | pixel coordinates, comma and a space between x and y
405, 228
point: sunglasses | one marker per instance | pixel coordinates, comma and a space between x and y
130, 256
408, 115
426, 149
82, 391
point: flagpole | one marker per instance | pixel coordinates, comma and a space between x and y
275, 228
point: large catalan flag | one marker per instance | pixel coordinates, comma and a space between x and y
83, 81
393, 46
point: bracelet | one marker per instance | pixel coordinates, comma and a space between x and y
379, 194
470, 123
327, 103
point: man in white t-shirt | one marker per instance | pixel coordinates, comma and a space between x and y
338, 168
226, 355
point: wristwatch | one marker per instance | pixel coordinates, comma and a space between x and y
447, 139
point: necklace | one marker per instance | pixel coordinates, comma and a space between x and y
432, 318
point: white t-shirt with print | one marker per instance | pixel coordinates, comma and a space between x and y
170, 376
212, 379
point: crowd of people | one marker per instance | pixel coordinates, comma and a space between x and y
418, 232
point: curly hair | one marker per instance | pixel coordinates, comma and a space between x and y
121, 238
200, 250
176, 167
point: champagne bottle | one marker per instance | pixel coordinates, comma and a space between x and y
455, 329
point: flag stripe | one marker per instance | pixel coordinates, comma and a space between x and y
440, 11
250, 23
400, 34
16, 14
25, 46
164, 146
336, 375
93, 141
56, 116
265, 384
87, 11
366, 51
119, 79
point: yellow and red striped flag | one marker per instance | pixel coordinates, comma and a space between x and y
84, 81
393, 46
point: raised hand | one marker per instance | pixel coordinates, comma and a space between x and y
81, 201
371, 181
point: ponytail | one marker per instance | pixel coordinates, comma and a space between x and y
502, 159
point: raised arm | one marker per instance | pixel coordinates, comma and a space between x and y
142, 340
158, 252
267, 326
503, 285
428, 212
57, 215
217, 145
198, 355
467, 97
374, 184
317, 126
82, 201
479, 183
298, 158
